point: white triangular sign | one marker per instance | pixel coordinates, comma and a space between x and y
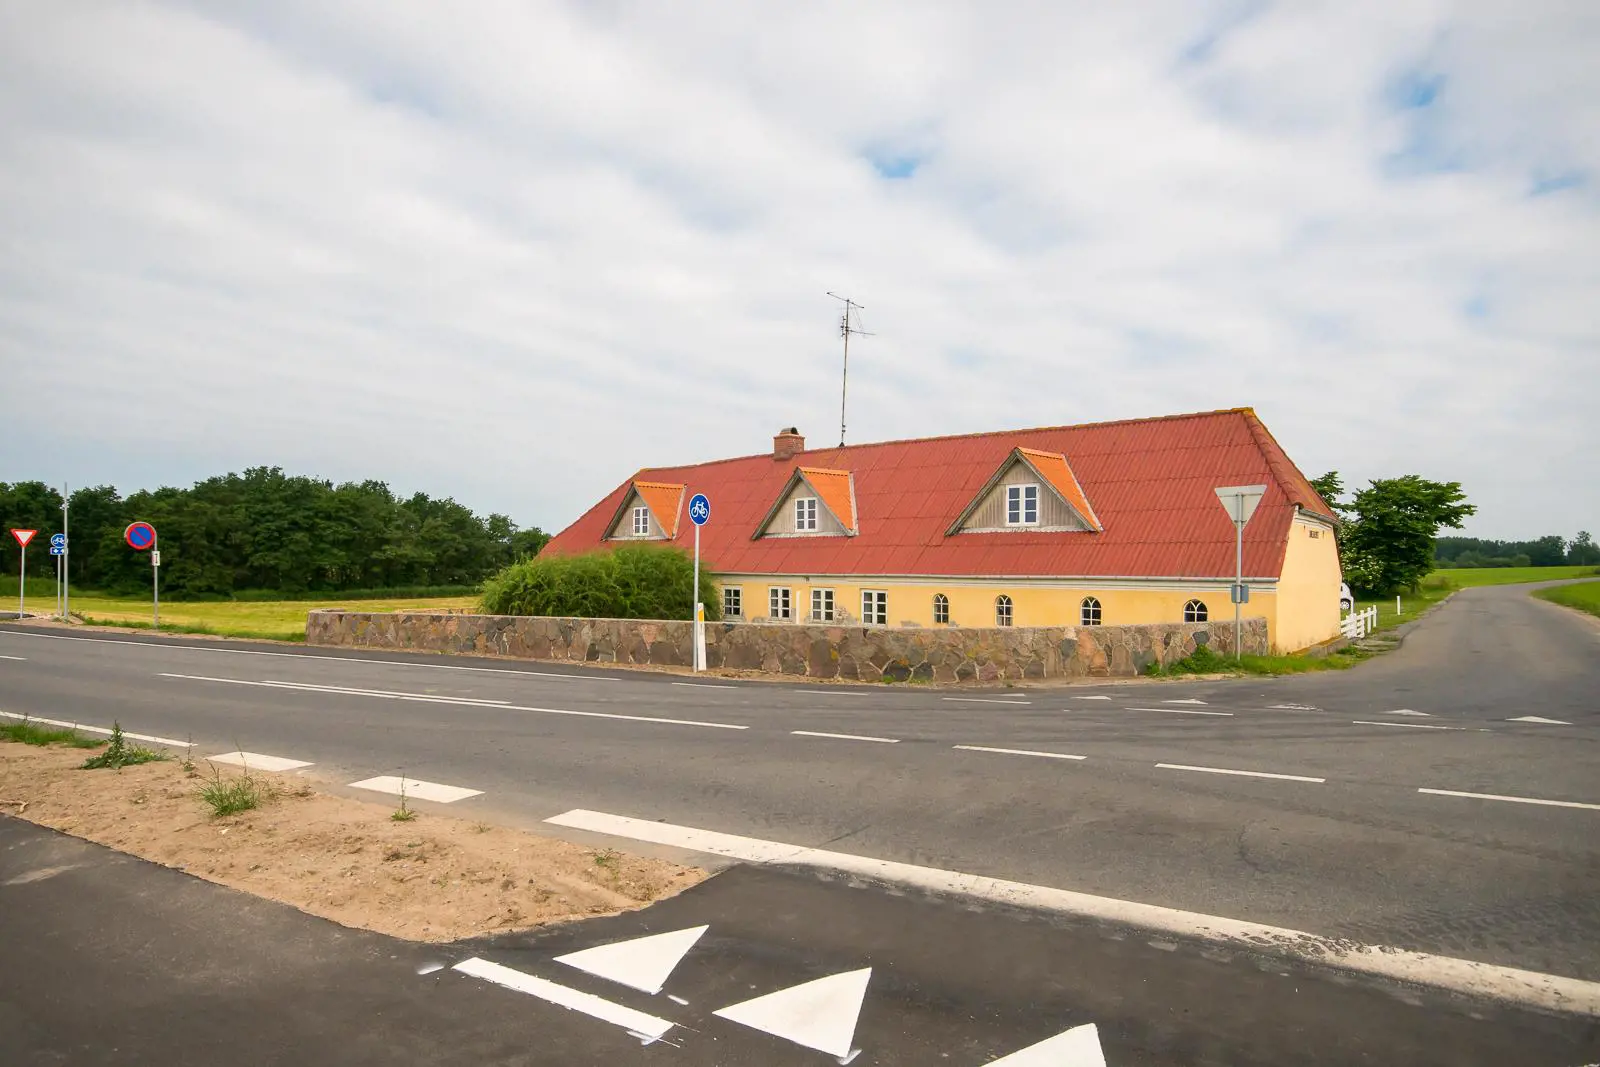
820, 1014
1078, 1047
643, 963
23, 536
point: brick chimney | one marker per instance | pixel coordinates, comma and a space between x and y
787, 443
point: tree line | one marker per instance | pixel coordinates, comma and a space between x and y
1552, 550
265, 530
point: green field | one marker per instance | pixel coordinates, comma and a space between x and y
1585, 596
281, 620
1467, 577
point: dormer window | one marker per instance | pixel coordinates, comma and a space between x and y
805, 514
641, 522
1022, 505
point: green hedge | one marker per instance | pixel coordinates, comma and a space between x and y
630, 582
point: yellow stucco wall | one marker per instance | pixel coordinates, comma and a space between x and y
1034, 603
1308, 589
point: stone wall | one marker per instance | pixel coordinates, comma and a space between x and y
815, 651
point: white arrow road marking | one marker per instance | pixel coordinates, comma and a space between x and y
1078, 1047
821, 1014
1540, 718
257, 762
1191, 700
643, 963
415, 790
1408, 711
637, 1022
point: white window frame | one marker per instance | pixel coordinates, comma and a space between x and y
641, 521
1091, 611
875, 607
1195, 610
733, 602
822, 605
805, 514
1005, 611
780, 602
1022, 499
941, 610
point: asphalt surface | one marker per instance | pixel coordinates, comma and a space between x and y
110, 960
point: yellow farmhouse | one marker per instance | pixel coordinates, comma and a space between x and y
1109, 523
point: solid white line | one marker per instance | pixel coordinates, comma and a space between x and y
1402, 725
1182, 711
255, 761
1511, 800
833, 692
705, 685
467, 702
19, 659
1463, 976
1018, 752
415, 790
320, 659
97, 729
1246, 774
984, 700
846, 737
596, 1007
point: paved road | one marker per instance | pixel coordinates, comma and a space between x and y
110, 960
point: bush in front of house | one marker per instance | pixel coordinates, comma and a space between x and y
628, 582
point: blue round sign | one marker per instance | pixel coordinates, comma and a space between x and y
699, 509
140, 535
58, 540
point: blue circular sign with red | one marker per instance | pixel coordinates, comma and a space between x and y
140, 535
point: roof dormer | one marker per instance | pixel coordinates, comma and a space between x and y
649, 512
1032, 490
815, 502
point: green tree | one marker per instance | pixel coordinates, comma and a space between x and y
1330, 488
1389, 544
1583, 551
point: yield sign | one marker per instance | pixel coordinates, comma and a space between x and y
1240, 501
23, 536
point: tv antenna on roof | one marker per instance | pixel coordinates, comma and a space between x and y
849, 323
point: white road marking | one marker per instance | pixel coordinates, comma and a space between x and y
642, 963
1549, 991
820, 1014
1182, 711
255, 761
1092, 698
1191, 700
833, 692
1018, 752
1408, 711
1541, 719
359, 691
847, 737
1291, 707
1404, 725
319, 659
468, 702
415, 790
1511, 800
636, 1022
1078, 1047
1245, 774
983, 700
705, 685
64, 724
19, 659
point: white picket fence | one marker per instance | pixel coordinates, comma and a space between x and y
1358, 624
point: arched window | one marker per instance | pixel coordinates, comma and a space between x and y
1091, 611
941, 609
1195, 611
1002, 610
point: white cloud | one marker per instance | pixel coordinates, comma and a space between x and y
512, 252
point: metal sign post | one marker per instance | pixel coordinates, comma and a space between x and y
699, 514
66, 560
140, 536
1240, 502
23, 537
58, 549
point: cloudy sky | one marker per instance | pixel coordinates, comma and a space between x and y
512, 251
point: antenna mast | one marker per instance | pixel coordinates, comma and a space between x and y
849, 323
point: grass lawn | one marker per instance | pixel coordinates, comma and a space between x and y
282, 620
1585, 596
1467, 577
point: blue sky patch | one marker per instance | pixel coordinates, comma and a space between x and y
1544, 185
895, 167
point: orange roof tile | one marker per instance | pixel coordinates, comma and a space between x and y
1053, 468
835, 490
664, 500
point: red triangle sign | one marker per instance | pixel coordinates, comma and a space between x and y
23, 536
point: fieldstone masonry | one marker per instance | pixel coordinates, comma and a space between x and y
864, 653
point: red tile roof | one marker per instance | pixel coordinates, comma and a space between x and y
664, 500
1150, 481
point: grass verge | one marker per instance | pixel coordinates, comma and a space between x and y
271, 620
1468, 577
29, 733
1584, 596
233, 795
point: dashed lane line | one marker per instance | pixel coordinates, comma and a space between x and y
635, 1022
1510, 800
1546, 991
984, 700
1402, 725
833, 693
412, 789
1243, 774
706, 685
18, 659
1183, 711
320, 659
256, 761
846, 737
64, 724
1017, 752
469, 702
